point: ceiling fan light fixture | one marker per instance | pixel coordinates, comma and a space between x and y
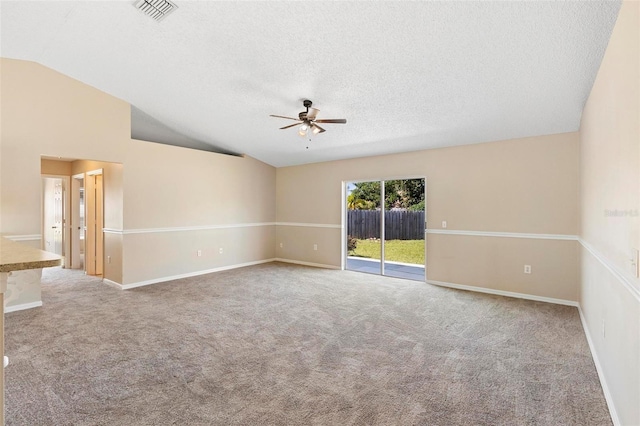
304, 129
315, 129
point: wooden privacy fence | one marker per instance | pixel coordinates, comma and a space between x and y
398, 224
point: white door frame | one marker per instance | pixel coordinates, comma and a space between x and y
75, 220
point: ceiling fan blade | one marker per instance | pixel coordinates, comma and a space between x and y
313, 112
314, 126
282, 116
332, 120
291, 125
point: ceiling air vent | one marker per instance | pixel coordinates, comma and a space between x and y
157, 9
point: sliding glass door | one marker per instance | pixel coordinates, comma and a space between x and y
385, 226
364, 227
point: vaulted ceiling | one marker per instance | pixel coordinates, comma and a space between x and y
406, 75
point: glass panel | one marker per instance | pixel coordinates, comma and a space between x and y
404, 219
363, 227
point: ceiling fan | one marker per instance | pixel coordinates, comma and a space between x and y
307, 120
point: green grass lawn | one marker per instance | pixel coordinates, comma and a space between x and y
405, 251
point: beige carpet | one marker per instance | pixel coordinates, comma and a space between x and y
290, 345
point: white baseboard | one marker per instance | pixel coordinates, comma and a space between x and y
112, 283
505, 293
22, 307
30, 237
300, 262
187, 275
603, 382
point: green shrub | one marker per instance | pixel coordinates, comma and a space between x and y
417, 207
352, 243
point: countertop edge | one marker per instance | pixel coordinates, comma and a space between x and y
20, 266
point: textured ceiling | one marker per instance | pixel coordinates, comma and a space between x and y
406, 75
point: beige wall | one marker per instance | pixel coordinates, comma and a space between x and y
189, 188
525, 185
298, 245
55, 167
519, 186
46, 113
175, 253
167, 186
610, 180
498, 263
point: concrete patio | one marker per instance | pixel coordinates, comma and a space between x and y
391, 269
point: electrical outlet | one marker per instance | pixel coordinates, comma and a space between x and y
108, 259
281, 245
221, 250
527, 269
199, 253
444, 223
315, 247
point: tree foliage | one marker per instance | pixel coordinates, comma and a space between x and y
354, 203
401, 194
365, 196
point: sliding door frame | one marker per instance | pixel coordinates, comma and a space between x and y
344, 215
383, 210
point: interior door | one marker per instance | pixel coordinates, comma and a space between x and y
58, 215
53, 215
99, 220
94, 222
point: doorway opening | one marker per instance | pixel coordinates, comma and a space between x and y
54, 216
385, 227
78, 226
73, 210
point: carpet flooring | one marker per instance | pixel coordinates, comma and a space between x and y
280, 344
